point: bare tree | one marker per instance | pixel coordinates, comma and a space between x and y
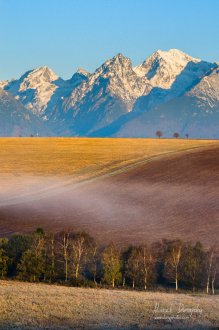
146, 263
214, 268
133, 264
81, 247
124, 269
187, 135
173, 256
159, 134
94, 263
176, 135
50, 255
210, 256
213, 277
63, 239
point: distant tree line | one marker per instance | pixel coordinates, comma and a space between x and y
74, 258
158, 133
176, 135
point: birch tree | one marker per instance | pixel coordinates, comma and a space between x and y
63, 241
50, 256
80, 250
134, 265
173, 257
210, 258
214, 268
94, 263
213, 276
146, 264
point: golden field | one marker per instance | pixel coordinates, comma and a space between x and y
82, 157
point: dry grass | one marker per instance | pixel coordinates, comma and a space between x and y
40, 306
82, 157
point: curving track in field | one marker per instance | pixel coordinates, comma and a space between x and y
176, 195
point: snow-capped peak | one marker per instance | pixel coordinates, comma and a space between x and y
83, 72
35, 88
117, 76
175, 55
39, 76
162, 67
116, 64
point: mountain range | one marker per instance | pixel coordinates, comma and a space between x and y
170, 91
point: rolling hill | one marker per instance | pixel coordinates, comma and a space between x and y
151, 194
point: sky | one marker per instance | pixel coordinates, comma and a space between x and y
70, 34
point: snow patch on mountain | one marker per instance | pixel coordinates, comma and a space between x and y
120, 78
207, 90
3, 83
83, 72
34, 89
162, 67
172, 73
15, 120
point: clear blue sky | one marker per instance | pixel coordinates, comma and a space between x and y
67, 34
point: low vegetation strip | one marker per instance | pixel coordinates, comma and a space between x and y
75, 258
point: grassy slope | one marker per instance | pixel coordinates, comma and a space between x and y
40, 306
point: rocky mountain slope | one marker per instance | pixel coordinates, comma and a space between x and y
107, 94
195, 112
170, 91
163, 67
15, 120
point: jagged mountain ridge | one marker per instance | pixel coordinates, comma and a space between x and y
107, 94
111, 101
34, 89
196, 113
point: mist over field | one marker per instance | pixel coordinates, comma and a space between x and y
167, 197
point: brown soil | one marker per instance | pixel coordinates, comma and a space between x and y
174, 196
